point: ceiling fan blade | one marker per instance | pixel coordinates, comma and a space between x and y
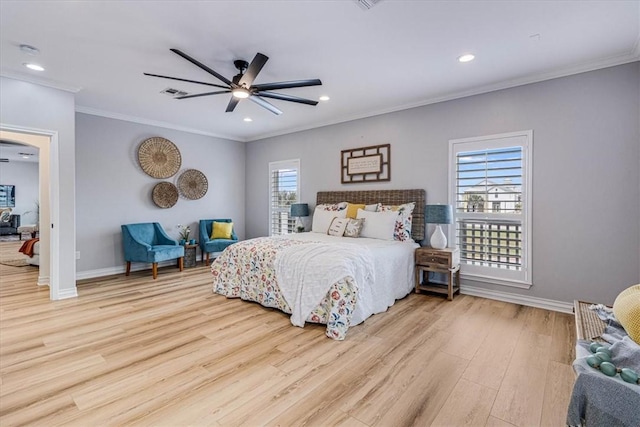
254, 68
232, 104
287, 85
195, 95
201, 65
184, 80
284, 97
261, 102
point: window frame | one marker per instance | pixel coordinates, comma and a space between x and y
277, 166
523, 139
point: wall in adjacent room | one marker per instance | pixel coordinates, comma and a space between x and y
586, 197
112, 189
24, 175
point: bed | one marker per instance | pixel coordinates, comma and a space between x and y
317, 278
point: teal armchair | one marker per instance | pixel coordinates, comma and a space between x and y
147, 242
208, 245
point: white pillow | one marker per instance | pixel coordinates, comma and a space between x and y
378, 225
322, 219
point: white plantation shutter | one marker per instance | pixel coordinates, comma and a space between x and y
490, 192
284, 179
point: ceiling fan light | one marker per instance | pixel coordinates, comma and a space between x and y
240, 93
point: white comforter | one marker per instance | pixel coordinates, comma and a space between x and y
382, 270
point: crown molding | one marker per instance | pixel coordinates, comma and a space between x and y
41, 81
632, 56
150, 122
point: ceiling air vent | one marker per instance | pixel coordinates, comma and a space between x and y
4, 160
174, 92
367, 4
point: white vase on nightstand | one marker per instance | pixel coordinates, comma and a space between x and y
438, 239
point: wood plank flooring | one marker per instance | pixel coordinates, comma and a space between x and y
169, 352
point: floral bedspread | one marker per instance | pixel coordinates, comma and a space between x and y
246, 270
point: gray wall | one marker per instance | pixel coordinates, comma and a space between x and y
37, 107
24, 175
112, 189
586, 157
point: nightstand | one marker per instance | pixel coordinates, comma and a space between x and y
446, 261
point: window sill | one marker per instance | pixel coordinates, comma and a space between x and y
496, 281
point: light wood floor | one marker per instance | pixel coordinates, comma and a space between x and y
134, 351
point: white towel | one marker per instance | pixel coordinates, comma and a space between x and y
306, 272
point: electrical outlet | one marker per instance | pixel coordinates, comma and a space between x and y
77, 254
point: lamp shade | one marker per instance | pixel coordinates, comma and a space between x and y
438, 214
299, 209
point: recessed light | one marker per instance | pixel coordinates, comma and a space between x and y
324, 98
34, 67
248, 119
466, 58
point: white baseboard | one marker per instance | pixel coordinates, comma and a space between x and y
43, 280
548, 304
121, 269
68, 293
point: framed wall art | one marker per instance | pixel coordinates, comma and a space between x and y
366, 164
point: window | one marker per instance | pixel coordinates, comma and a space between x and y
284, 182
493, 236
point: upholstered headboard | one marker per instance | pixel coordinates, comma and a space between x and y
386, 197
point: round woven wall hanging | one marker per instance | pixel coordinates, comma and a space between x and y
159, 157
164, 194
193, 184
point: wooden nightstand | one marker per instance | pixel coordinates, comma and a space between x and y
446, 261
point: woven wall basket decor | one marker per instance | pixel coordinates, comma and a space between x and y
164, 194
192, 184
159, 157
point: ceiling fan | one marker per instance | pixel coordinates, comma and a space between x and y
242, 87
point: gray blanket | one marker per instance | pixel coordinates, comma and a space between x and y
599, 400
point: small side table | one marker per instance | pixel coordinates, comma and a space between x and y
190, 255
446, 261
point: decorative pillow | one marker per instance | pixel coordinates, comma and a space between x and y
5, 215
322, 219
354, 227
337, 226
221, 230
372, 208
402, 230
335, 207
626, 308
352, 210
378, 225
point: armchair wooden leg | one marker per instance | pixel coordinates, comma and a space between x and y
128, 268
181, 263
207, 263
155, 270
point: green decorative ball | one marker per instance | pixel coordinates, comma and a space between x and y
629, 375
594, 346
608, 368
603, 349
606, 357
594, 361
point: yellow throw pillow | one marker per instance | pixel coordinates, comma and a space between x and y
626, 308
352, 210
221, 230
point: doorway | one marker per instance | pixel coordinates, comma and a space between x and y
46, 142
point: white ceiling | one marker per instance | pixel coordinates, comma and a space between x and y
398, 55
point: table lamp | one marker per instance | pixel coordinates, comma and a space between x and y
299, 210
438, 214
